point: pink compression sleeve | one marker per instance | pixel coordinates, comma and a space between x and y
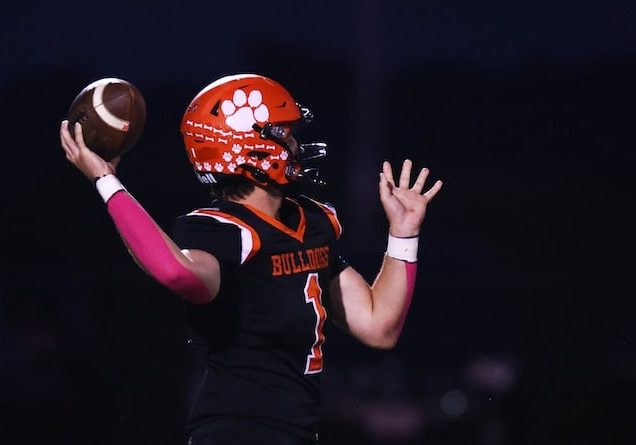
150, 249
411, 273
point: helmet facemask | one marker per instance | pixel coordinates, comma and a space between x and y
302, 156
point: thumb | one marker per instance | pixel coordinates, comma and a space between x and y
113, 163
385, 187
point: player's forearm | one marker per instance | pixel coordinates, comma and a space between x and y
392, 293
150, 246
375, 314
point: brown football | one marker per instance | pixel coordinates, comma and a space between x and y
112, 113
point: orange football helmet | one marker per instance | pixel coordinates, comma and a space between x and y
241, 125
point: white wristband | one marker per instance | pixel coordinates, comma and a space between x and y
107, 186
404, 249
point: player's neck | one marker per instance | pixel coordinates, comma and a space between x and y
263, 200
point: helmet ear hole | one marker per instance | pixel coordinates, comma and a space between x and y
260, 155
215, 108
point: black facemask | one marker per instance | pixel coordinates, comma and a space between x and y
303, 154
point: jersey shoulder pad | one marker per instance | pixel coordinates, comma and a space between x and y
250, 240
330, 212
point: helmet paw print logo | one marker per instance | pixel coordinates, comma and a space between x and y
243, 111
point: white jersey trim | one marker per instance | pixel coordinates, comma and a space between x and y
247, 240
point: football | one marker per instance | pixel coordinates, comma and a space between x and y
112, 113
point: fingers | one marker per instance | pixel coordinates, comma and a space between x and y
405, 174
418, 186
430, 194
385, 187
388, 172
79, 136
68, 144
62, 130
387, 182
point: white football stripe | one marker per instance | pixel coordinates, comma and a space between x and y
104, 114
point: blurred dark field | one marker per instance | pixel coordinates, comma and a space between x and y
522, 327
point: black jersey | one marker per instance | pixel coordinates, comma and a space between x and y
263, 333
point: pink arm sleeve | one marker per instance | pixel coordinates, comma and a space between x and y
411, 273
151, 250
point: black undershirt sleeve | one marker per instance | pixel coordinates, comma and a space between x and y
336, 262
203, 233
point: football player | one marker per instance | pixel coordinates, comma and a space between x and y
259, 265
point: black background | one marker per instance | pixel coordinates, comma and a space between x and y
522, 327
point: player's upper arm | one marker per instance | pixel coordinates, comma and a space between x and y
206, 267
206, 244
352, 306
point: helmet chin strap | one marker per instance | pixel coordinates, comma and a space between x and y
258, 175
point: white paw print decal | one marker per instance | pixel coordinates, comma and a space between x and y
207, 166
231, 167
218, 167
240, 160
241, 117
236, 148
227, 157
265, 165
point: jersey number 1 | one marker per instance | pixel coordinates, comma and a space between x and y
313, 295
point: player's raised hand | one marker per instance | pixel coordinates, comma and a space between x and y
405, 206
88, 162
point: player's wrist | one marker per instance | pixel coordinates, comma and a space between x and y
404, 229
98, 176
107, 185
403, 248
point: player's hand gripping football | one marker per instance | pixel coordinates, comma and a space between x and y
87, 161
405, 206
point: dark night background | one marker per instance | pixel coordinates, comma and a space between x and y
522, 327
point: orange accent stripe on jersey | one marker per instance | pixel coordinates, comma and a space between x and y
250, 241
298, 234
332, 215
